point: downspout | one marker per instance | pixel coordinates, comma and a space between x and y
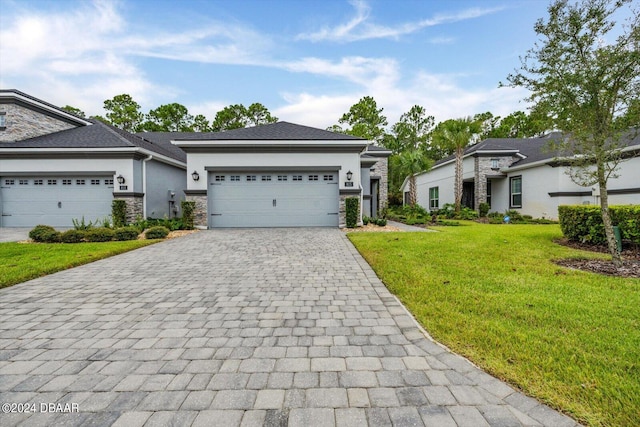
144, 186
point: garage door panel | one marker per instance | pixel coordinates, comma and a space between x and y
308, 200
28, 201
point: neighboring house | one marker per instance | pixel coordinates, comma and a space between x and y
56, 167
280, 175
523, 175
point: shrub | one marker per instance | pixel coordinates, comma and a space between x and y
125, 233
365, 220
119, 213
381, 222
584, 223
38, 232
157, 232
188, 208
99, 234
466, 213
484, 209
72, 236
352, 205
81, 225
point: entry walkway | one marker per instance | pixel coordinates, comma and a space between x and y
237, 327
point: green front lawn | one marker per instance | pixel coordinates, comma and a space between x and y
492, 294
25, 261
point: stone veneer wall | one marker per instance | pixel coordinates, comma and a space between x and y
23, 123
134, 206
200, 211
482, 168
381, 169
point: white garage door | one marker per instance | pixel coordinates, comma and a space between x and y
56, 201
274, 199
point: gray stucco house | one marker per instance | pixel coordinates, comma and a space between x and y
279, 175
523, 174
56, 167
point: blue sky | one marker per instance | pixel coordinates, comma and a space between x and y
307, 61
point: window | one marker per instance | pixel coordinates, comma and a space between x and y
297, 177
9, 181
235, 177
282, 177
24, 182
95, 182
66, 182
251, 177
219, 178
37, 182
3, 120
495, 163
434, 198
313, 177
266, 177
328, 177
79, 181
489, 192
108, 181
516, 192
52, 182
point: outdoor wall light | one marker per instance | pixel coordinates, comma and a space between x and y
195, 175
120, 179
349, 175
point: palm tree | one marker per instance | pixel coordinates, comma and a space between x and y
410, 162
454, 136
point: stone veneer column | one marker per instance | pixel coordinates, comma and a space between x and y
381, 169
135, 208
200, 211
342, 206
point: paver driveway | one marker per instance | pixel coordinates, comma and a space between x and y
233, 327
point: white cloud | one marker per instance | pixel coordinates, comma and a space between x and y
359, 27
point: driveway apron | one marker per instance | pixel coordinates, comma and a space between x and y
236, 327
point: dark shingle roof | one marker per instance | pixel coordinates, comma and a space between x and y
273, 131
97, 135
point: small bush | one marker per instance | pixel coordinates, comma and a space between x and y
365, 220
51, 237
119, 213
448, 223
125, 233
157, 232
188, 209
81, 225
72, 236
99, 234
381, 222
352, 205
467, 214
38, 232
484, 209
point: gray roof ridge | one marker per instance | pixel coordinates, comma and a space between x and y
113, 131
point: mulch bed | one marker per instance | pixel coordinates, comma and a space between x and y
630, 265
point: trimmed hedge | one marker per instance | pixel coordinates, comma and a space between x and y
42, 233
584, 223
72, 236
157, 232
99, 234
119, 213
352, 205
188, 208
125, 233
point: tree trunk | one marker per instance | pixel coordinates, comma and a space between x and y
458, 179
413, 191
606, 219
